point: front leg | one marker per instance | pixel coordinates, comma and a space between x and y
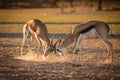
80, 48
39, 44
76, 44
29, 42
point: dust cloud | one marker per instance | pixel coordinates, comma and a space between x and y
52, 57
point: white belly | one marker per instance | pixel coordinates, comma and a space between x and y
90, 34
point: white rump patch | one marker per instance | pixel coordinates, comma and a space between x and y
90, 34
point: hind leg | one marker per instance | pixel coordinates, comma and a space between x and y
23, 43
39, 45
109, 49
28, 39
29, 42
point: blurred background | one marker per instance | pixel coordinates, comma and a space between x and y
60, 16
94, 4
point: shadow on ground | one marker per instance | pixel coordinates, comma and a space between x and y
19, 35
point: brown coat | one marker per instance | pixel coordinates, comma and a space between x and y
40, 29
99, 26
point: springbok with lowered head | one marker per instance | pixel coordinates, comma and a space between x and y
36, 29
91, 29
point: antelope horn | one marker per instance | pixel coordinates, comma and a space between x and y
57, 42
51, 42
60, 40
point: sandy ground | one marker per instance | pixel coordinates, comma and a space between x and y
84, 67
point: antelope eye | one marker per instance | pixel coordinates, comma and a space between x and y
58, 50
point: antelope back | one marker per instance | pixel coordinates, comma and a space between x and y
39, 28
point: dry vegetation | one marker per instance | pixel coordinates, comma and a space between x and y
54, 15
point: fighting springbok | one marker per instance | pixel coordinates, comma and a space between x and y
91, 29
36, 29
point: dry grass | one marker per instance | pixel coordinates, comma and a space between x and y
54, 15
52, 28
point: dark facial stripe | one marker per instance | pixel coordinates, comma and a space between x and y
87, 29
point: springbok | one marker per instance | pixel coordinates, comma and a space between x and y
35, 28
91, 29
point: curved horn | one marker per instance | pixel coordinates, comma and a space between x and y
60, 41
57, 42
51, 42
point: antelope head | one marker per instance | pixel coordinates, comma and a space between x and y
52, 47
57, 47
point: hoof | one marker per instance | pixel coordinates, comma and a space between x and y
44, 59
107, 61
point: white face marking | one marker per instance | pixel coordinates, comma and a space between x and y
61, 50
46, 49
